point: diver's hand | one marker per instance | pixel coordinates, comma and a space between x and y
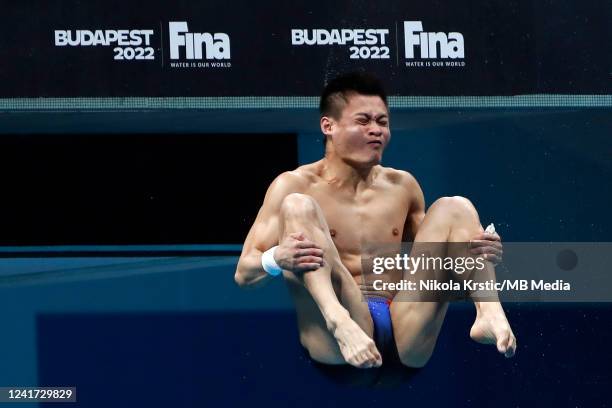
298, 254
488, 244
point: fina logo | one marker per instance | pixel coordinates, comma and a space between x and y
197, 45
450, 45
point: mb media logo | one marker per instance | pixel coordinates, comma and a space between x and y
433, 47
197, 47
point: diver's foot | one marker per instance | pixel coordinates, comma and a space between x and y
357, 348
492, 327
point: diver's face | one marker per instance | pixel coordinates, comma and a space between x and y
362, 132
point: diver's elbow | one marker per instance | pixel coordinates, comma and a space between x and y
240, 279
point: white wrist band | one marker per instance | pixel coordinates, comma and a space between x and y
268, 262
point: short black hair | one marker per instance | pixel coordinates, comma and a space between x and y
336, 92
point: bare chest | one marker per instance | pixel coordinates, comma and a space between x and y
355, 222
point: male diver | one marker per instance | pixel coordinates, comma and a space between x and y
314, 220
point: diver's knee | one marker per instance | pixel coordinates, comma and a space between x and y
454, 204
298, 204
456, 208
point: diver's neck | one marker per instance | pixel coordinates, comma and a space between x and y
347, 175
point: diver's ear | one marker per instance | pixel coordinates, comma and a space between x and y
327, 124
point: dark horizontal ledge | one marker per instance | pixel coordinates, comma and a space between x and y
74, 251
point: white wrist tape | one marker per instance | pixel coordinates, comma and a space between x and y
268, 262
490, 229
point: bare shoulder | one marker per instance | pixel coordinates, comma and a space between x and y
288, 182
309, 172
413, 193
294, 181
400, 178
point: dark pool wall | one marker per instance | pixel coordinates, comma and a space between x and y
538, 176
